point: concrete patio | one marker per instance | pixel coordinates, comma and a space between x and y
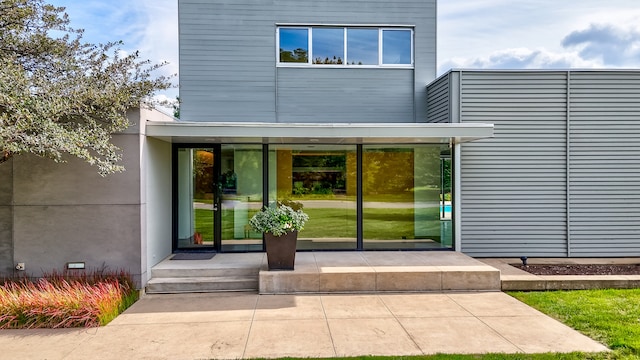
328, 272
249, 325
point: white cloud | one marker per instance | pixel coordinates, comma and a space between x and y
612, 45
522, 58
538, 34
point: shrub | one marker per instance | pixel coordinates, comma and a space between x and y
59, 300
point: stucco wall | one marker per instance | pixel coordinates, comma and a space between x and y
51, 213
6, 218
67, 212
158, 205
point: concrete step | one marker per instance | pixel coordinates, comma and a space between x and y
204, 271
166, 285
382, 279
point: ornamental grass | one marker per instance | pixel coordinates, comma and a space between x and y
63, 301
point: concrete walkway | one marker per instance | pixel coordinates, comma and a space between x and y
246, 325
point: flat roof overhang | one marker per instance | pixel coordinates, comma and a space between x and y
316, 133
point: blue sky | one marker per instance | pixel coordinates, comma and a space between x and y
471, 33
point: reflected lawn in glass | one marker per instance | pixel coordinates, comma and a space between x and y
380, 224
398, 224
204, 223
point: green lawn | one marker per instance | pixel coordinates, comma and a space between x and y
609, 316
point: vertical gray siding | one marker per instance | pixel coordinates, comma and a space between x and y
514, 185
228, 62
562, 175
439, 100
605, 164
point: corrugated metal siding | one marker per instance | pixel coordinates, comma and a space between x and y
227, 58
344, 95
514, 186
605, 164
439, 100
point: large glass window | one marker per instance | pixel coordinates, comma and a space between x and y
405, 195
368, 47
320, 179
402, 188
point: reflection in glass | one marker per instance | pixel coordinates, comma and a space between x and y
294, 45
322, 181
402, 192
196, 197
396, 47
328, 46
241, 193
362, 46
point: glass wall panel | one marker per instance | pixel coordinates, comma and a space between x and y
320, 179
402, 197
241, 185
196, 184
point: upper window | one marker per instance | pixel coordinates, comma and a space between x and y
345, 46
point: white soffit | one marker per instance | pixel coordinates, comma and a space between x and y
319, 133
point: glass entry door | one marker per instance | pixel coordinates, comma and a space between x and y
198, 198
218, 189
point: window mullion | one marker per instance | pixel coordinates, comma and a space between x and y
345, 52
310, 46
380, 50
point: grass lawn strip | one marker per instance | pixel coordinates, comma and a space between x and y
610, 316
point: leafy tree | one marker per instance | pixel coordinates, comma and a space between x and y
60, 95
295, 56
176, 108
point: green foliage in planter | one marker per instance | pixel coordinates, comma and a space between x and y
278, 220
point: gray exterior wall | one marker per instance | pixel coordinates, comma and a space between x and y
561, 176
604, 163
439, 102
228, 63
6, 217
51, 213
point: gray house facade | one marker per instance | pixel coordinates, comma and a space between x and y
560, 178
334, 107
321, 105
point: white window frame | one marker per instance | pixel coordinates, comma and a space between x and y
310, 63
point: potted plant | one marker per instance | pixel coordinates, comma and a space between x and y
280, 225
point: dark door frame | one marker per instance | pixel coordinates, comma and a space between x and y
217, 214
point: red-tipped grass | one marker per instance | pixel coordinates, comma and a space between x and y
60, 302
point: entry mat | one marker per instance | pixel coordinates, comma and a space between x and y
193, 256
